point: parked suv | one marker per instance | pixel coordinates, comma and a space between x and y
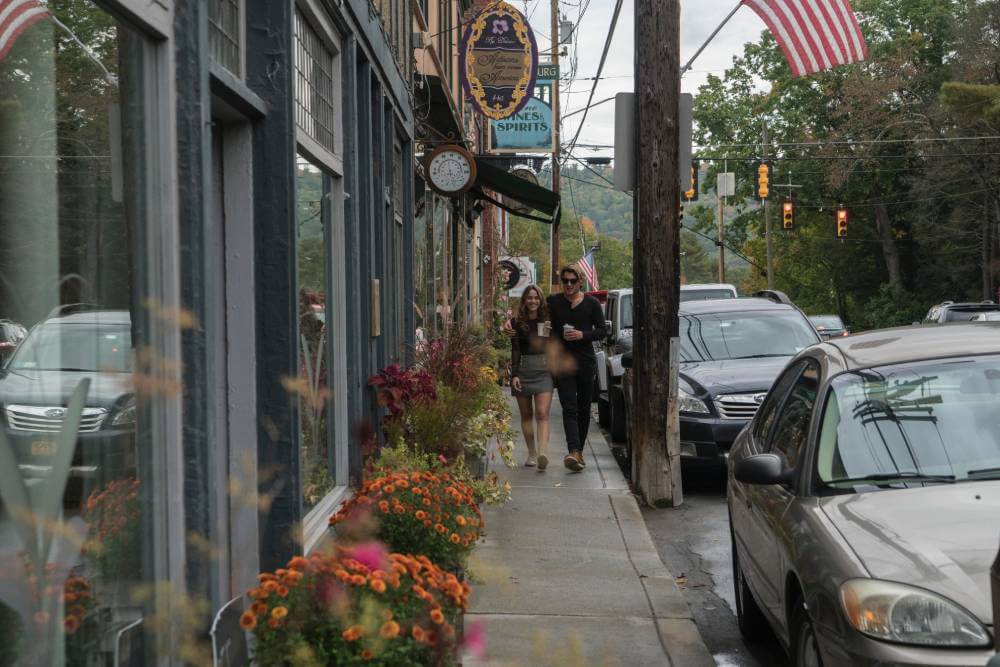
708, 291
731, 352
73, 344
610, 399
949, 311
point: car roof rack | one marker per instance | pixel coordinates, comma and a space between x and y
773, 295
70, 308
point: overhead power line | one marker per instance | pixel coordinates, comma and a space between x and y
600, 68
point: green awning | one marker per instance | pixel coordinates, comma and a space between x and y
513, 187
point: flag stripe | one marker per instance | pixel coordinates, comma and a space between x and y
16, 17
832, 28
833, 53
814, 35
778, 30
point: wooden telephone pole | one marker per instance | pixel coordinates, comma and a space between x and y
656, 240
557, 149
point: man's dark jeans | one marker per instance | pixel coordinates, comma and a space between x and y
575, 394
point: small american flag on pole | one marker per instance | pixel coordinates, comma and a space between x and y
16, 16
815, 35
589, 269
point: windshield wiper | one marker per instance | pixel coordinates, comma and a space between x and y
763, 356
908, 476
983, 472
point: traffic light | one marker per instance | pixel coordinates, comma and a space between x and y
762, 183
841, 223
692, 193
788, 215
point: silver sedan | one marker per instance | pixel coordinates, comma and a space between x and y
864, 500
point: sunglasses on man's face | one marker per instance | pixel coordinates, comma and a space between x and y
570, 281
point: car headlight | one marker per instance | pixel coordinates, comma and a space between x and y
906, 615
688, 403
125, 416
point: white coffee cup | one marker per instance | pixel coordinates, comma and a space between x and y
543, 329
567, 328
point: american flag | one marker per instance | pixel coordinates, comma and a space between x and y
589, 269
16, 16
815, 35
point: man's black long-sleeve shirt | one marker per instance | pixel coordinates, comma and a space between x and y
587, 317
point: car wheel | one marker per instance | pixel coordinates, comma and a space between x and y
603, 411
749, 617
618, 424
805, 649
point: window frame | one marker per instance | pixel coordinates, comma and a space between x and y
769, 445
331, 160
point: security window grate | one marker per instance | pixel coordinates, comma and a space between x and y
314, 85
224, 22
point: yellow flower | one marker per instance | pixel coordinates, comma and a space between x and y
279, 612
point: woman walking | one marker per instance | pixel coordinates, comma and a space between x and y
531, 381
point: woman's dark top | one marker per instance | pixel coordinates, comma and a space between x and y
588, 317
525, 341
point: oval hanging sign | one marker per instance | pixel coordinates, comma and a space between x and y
498, 61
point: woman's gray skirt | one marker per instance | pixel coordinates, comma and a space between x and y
535, 376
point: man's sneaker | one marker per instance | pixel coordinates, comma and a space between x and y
543, 462
573, 461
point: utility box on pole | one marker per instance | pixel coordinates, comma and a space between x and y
660, 172
625, 158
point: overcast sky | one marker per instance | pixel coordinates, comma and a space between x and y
698, 19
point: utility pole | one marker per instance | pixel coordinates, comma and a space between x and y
656, 239
767, 213
722, 249
557, 147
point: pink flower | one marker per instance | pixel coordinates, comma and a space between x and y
372, 555
442, 459
474, 640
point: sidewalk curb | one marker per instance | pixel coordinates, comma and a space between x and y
678, 632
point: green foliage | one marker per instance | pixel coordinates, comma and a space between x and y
889, 308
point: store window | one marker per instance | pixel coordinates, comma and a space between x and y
316, 85
314, 389
81, 476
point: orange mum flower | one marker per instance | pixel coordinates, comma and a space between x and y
259, 608
455, 539
460, 520
440, 528
298, 563
389, 630
383, 505
282, 591
248, 621
427, 502
378, 585
421, 515
437, 616
358, 580
273, 623
418, 633
367, 654
270, 586
279, 612
353, 633
71, 624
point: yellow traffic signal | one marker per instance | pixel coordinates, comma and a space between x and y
762, 186
841, 223
788, 215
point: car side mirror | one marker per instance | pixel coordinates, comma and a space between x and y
627, 359
764, 469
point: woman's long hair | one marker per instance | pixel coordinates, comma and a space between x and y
522, 309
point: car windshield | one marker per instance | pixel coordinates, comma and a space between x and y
965, 314
935, 418
76, 347
705, 294
744, 335
827, 322
625, 304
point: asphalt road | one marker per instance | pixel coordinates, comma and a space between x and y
693, 541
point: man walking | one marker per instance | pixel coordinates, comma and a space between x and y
578, 321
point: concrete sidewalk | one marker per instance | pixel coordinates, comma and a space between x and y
568, 575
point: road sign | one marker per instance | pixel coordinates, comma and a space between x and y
726, 184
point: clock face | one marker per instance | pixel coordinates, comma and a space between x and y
450, 171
